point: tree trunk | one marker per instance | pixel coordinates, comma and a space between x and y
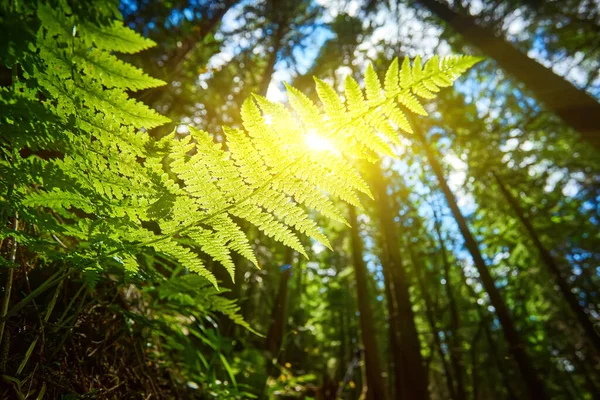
577, 108
270, 68
414, 382
455, 342
474, 377
418, 269
516, 344
276, 329
485, 322
547, 258
375, 386
396, 357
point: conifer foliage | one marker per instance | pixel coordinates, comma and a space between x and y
80, 166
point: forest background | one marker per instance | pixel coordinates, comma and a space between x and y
472, 272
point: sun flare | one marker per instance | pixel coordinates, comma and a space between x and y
316, 142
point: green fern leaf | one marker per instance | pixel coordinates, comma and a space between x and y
405, 74
115, 37
373, 86
114, 73
392, 79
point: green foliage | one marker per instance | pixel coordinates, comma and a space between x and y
103, 196
109, 179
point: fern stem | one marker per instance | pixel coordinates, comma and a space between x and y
9, 283
48, 284
64, 314
45, 321
71, 323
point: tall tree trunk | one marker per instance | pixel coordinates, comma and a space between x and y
396, 358
474, 377
485, 322
276, 329
418, 270
270, 68
577, 108
375, 386
516, 344
547, 258
414, 382
455, 342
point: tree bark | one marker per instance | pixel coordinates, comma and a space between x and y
276, 329
393, 325
474, 377
516, 344
485, 321
577, 108
270, 68
547, 258
376, 390
414, 384
455, 342
418, 269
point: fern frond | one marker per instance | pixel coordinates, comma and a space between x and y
130, 264
210, 243
267, 173
185, 257
193, 192
373, 87
269, 225
392, 78
116, 37
112, 72
58, 199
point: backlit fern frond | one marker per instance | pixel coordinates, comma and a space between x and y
112, 190
268, 173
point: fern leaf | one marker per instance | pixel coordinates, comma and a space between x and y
115, 37
267, 223
397, 117
210, 243
247, 159
373, 86
409, 101
354, 97
231, 234
130, 264
405, 74
185, 257
114, 73
59, 199
392, 81
333, 105
417, 69
307, 111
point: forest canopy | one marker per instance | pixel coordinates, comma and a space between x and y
299, 199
